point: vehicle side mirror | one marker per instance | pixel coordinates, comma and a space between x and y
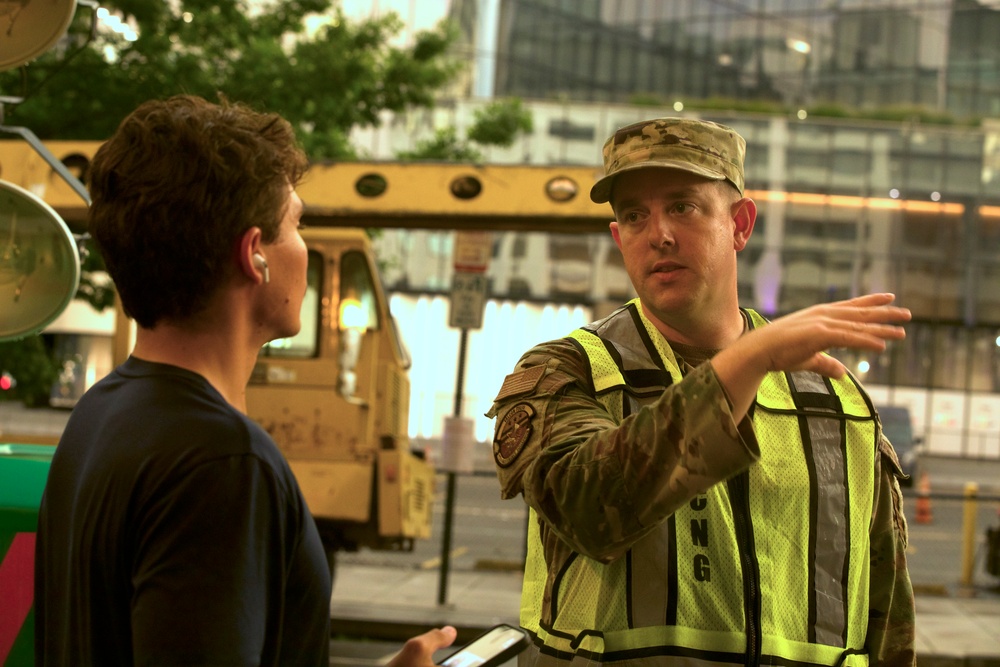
39, 263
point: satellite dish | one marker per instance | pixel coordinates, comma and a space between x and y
39, 263
29, 28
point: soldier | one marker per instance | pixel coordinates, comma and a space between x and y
704, 486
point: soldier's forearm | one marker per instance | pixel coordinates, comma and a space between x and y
603, 487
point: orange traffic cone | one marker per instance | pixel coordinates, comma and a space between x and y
924, 500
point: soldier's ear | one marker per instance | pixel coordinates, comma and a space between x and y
744, 214
615, 233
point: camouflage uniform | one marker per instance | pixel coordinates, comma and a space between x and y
598, 484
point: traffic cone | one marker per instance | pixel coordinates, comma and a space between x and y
924, 499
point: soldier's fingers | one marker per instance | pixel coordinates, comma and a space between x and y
825, 365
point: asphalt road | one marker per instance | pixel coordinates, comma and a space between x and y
488, 532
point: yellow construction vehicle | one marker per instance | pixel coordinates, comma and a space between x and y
336, 400
335, 397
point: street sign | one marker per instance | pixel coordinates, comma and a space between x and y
468, 299
457, 444
473, 251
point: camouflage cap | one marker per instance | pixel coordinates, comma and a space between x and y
699, 146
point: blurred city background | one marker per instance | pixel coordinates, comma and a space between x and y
873, 132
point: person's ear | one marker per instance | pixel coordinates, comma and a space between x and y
616, 233
744, 214
250, 256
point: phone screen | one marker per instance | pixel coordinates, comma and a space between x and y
486, 647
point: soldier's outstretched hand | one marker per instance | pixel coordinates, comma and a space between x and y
798, 342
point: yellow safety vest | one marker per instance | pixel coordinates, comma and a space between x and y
769, 567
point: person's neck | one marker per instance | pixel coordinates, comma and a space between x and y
220, 355
695, 355
699, 331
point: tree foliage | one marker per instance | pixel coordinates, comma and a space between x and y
445, 146
342, 75
499, 123
31, 366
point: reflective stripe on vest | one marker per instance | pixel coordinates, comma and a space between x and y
712, 586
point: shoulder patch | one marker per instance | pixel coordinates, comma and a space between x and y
512, 433
521, 382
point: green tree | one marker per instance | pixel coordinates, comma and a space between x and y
498, 123
342, 75
445, 146
32, 368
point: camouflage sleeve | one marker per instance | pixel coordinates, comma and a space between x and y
892, 615
598, 484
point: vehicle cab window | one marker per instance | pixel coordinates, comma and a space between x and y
358, 304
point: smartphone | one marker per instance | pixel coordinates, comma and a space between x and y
494, 647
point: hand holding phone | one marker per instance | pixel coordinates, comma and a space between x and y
494, 647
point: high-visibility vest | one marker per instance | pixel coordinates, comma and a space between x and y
768, 567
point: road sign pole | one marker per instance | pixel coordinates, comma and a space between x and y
449, 501
469, 287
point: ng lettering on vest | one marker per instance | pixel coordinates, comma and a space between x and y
699, 538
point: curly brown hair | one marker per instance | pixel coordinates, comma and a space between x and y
173, 190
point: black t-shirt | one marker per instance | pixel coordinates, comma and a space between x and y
172, 532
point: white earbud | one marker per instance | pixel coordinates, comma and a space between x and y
261, 263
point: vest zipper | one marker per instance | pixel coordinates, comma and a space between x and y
739, 499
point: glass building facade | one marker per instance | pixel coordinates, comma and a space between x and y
938, 55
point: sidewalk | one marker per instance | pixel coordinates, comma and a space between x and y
396, 603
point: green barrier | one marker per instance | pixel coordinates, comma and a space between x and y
23, 471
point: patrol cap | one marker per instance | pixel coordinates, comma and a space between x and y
698, 146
